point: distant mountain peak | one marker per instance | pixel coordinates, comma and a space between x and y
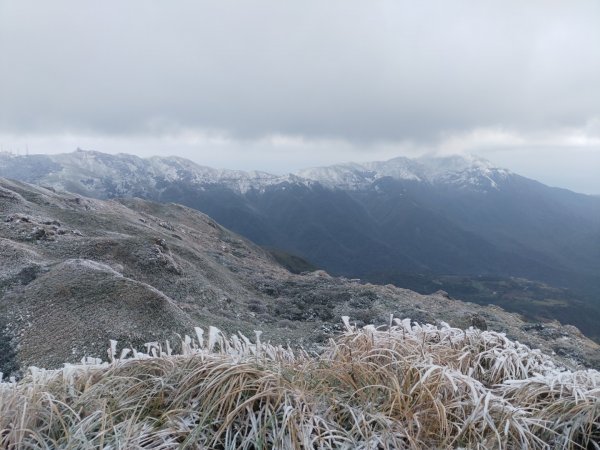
453, 163
463, 171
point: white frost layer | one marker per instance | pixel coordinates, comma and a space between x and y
127, 173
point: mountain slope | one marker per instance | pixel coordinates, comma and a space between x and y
77, 272
430, 217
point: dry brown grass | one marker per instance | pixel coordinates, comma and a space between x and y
405, 386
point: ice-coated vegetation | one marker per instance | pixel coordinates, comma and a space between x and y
400, 386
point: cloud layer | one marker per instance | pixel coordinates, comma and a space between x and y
362, 75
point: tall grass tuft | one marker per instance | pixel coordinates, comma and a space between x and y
405, 386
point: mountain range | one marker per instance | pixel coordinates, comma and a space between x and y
77, 272
428, 219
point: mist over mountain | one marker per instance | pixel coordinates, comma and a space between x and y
384, 221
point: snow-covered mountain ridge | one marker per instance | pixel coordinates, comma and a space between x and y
462, 171
91, 171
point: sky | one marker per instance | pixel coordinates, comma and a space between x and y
283, 85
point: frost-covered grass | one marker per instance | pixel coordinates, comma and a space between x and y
403, 386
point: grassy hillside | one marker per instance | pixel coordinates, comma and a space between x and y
403, 386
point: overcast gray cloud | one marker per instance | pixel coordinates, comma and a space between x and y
305, 82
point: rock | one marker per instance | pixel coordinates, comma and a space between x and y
478, 321
441, 293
